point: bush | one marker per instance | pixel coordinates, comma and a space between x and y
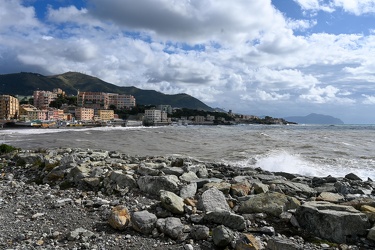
4, 148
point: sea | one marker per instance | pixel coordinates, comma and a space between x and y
310, 150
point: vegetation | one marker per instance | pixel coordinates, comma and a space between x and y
191, 112
63, 99
4, 149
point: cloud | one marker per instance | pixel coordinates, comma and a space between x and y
369, 99
356, 7
16, 17
192, 21
328, 94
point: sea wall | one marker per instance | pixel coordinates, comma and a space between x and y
91, 199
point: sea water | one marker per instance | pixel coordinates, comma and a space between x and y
312, 150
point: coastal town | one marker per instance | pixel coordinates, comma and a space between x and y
46, 109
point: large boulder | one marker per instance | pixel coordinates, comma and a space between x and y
226, 218
222, 236
213, 200
154, 184
269, 203
172, 202
333, 222
171, 227
143, 221
188, 191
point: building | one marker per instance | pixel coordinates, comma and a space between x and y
106, 114
152, 115
84, 114
42, 99
100, 100
9, 107
166, 108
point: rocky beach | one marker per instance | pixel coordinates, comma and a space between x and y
71, 198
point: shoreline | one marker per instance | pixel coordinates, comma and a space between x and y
174, 202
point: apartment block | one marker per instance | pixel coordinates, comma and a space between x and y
42, 99
9, 107
153, 115
100, 100
84, 114
106, 114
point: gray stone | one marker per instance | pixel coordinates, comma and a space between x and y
353, 177
188, 191
333, 222
270, 203
154, 184
226, 218
171, 226
200, 232
177, 171
221, 186
122, 180
201, 181
80, 233
330, 197
371, 234
222, 236
143, 221
289, 187
172, 202
144, 170
282, 244
188, 177
260, 188
213, 200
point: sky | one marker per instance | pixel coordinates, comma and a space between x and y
257, 57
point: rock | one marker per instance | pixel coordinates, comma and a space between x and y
292, 188
92, 181
172, 202
144, 170
78, 173
80, 233
330, 197
188, 177
260, 188
200, 232
240, 189
222, 236
122, 180
248, 242
213, 200
177, 171
188, 191
352, 177
369, 211
331, 221
282, 244
143, 221
343, 187
226, 218
371, 234
202, 181
119, 217
270, 203
221, 186
154, 184
171, 227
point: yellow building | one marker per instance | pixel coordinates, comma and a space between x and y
84, 114
106, 114
9, 107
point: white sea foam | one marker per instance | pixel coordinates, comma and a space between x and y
283, 161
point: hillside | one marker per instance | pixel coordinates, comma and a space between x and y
25, 83
314, 119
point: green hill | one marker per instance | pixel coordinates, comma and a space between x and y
26, 83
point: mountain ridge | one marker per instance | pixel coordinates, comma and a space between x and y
314, 118
25, 83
